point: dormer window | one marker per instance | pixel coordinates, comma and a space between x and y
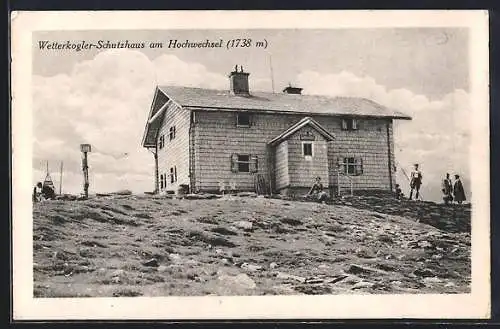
243, 120
349, 124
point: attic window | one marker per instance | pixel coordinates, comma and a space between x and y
243, 120
349, 124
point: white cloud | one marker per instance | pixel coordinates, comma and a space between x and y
105, 101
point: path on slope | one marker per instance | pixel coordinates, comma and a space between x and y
153, 246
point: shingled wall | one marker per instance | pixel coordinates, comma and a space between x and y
216, 138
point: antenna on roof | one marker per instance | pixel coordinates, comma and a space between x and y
272, 74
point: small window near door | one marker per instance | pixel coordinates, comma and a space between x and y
307, 149
243, 120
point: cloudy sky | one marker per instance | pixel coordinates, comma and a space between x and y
103, 97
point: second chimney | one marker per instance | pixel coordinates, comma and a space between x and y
239, 81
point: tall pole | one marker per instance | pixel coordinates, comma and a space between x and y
272, 74
85, 148
61, 179
85, 175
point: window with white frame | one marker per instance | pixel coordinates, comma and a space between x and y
352, 166
307, 149
244, 163
350, 124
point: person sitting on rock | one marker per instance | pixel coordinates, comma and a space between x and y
37, 192
458, 190
317, 192
398, 192
447, 189
48, 192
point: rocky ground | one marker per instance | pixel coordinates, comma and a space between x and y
128, 245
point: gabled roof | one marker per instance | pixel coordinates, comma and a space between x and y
296, 127
209, 99
152, 127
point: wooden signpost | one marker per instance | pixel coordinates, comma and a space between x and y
85, 148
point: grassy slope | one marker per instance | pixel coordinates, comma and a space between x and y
99, 247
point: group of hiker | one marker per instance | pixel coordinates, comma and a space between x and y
43, 192
452, 191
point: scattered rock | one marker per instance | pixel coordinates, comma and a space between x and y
358, 269
251, 267
244, 224
273, 265
337, 279
291, 221
151, 263
352, 279
314, 280
424, 273
285, 276
365, 253
241, 280
123, 192
284, 289
363, 285
424, 244
162, 268
222, 230
175, 258
247, 194
432, 280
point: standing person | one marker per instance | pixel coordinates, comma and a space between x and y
37, 192
447, 189
415, 181
458, 190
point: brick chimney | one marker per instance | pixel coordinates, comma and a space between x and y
239, 81
292, 90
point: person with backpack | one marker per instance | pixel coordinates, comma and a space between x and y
447, 189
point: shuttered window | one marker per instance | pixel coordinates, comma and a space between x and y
244, 163
351, 166
350, 124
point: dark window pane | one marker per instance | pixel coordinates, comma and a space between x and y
243, 119
307, 149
